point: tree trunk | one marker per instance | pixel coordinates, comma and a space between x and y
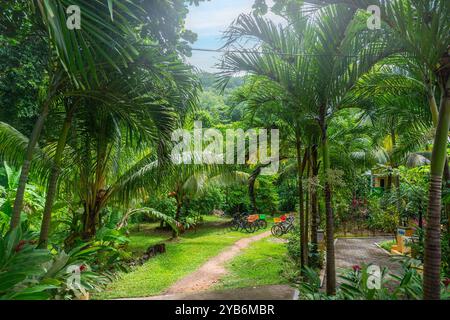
432, 103
314, 209
53, 181
251, 187
37, 129
432, 254
300, 168
307, 211
300, 196
90, 222
420, 216
396, 179
177, 219
331, 268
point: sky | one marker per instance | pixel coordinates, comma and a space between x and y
209, 20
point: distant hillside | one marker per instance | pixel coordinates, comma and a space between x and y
208, 81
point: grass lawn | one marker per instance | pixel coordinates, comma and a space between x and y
182, 257
260, 264
387, 245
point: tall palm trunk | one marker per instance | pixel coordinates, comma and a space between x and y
314, 211
432, 252
53, 180
396, 177
300, 168
435, 117
35, 134
432, 103
331, 268
307, 211
91, 219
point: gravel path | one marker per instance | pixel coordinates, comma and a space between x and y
362, 251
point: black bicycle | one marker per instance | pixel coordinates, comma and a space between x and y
283, 227
243, 223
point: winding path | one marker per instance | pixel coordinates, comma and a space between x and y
195, 286
214, 269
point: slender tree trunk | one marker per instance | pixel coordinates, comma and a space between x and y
396, 178
307, 211
251, 187
432, 103
177, 218
300, 197
432, 254
53, 181
331, 267
314, 209
34, 138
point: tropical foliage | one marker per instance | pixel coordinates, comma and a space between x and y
87, 117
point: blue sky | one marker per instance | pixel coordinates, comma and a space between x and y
209, 20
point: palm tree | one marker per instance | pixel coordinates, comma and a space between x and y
313, 61
133, 102
269, 99
423, 29
72, 57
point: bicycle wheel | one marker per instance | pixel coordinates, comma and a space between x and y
276, 230
250, 227
234, 226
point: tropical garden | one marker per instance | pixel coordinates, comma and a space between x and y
92, 204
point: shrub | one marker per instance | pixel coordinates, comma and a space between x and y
163, 204
355, 286
213, 198
237, 199
315, 257
287, 193
382, 220
38, 274
293, 244
266, 195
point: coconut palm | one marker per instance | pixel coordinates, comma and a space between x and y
103, 121
105, 33
135, 103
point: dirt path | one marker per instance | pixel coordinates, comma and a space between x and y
274, 292
213, 269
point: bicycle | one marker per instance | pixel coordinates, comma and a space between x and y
261, 222
239, 222
248, 223
282, 226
